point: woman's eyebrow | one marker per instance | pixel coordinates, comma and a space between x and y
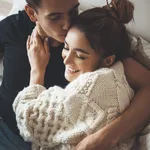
81, 50
77, 49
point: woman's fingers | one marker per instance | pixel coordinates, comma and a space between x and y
32, 37
37, 38
40, 31
35, 42
28, 42
46, 45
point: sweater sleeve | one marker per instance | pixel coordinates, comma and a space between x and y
40, 113
50, 117
55, 116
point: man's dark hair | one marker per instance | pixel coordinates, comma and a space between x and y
34, 3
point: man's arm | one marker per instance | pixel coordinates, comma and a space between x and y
133, 120
137, 115
1, 55
1, 49
137, 76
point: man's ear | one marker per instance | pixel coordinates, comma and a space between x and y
31, 13
108, 61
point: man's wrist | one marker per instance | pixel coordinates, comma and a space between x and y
107, 136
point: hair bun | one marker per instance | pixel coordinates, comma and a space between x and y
124, 10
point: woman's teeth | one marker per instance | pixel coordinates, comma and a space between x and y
72, 70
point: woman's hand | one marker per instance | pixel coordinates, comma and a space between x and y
41, 32
39, 55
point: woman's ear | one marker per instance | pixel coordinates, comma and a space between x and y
31, 13
108, 61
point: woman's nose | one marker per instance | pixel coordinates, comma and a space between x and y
68, 58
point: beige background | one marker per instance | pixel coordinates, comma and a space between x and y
5, 7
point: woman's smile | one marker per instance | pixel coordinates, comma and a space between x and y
71, 71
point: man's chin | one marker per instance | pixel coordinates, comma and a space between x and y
61, 39
56, 43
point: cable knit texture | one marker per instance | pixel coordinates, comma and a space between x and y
58, 119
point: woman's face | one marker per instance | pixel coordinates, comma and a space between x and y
54, 17
78, 55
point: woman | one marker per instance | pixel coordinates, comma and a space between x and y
60, 118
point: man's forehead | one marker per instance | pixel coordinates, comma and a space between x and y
53, 13
59, 5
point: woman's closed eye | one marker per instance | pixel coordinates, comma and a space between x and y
55, 18
78, 55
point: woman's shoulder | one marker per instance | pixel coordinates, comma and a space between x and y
117, 68
99, 78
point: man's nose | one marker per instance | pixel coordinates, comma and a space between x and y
66, 23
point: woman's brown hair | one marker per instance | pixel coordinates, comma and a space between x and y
105, 28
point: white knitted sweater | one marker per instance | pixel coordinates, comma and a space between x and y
60, 118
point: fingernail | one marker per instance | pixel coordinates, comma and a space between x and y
34, 34
46, 39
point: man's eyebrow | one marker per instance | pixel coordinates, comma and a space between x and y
78, 49
59, 13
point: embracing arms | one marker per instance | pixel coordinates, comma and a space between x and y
65, 116
138, 113
137, 116
133, 120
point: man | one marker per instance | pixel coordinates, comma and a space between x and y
54, 16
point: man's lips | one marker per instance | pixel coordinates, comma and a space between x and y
63, 34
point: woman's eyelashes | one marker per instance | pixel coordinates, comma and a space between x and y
80, 57
55, 18
77, 54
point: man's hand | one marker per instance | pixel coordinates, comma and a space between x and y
94, 142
